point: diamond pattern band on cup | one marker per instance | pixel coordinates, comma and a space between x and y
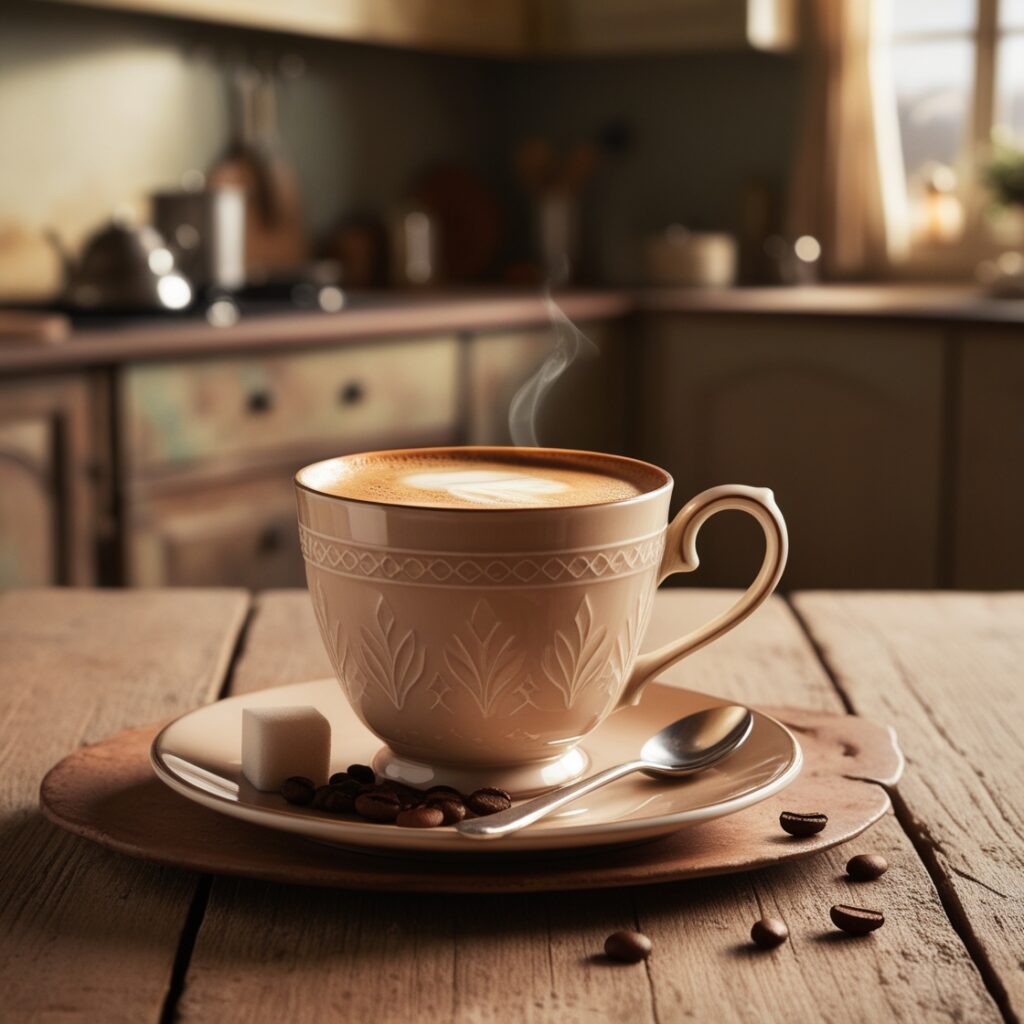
424, 568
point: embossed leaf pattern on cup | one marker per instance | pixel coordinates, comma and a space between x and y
336, 648
574, 660
483, 658
393, 663
628, 644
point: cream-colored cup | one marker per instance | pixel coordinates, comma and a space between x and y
483, 645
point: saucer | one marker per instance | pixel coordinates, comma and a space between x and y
199, 756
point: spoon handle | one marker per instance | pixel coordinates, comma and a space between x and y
515, 818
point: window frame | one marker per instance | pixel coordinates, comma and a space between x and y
977, 242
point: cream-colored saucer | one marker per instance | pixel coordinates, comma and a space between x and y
199, 756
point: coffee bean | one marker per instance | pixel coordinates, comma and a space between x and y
802, 825
421, 817
298, 790
320, 795
488, 800
856, 920
866, 867
452, 810
378, 805
333, 800
362, 773
443, 791
769, 932
627, 947
337, 778
407, 795
350, 787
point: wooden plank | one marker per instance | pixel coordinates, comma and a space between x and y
276, 953
86, 935
946, 670
285, 646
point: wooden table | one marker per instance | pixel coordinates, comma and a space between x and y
88, 935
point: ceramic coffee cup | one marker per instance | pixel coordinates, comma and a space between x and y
482, 645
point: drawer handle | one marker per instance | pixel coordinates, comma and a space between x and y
259, 402
351, 393
271, 540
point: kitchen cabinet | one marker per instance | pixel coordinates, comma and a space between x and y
584, 406
843, 421
505, 28
988, 538
209, 447
495, 28
239, 534
217, 414
47, 478
592, 27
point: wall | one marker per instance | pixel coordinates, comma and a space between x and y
701, 126
98, 108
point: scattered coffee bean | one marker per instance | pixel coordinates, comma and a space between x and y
421, 817
337, 778
488, 800
802, 825
856, 920
627, 947
362, 773
333, 800
769, 932
866, 867
451, 810
298, 790
378, 805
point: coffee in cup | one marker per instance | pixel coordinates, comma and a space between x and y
492, 478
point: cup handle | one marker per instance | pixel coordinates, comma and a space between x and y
681, 556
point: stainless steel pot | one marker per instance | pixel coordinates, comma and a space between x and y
205, 231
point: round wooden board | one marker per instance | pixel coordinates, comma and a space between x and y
108, 793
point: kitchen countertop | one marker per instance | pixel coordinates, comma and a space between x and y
394, 314
90, 935
383, 315
921, 302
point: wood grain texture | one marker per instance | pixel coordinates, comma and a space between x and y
947, 670
86, 935
266, 952
108, 793
914, 969
286, 646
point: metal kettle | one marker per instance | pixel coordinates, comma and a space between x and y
123, 266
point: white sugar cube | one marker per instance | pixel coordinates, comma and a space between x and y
279, 742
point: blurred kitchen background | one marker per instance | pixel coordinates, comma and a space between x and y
237, 236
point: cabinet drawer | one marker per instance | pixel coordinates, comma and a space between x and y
225, 410
242, 535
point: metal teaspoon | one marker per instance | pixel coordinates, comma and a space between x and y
688, 745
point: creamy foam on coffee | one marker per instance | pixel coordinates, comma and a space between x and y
460, 479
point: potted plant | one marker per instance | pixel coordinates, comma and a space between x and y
1005, 178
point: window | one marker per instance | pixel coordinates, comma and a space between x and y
1009, 94
957, 72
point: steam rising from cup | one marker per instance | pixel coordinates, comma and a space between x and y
570, 344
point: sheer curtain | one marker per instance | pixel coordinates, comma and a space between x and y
846, 183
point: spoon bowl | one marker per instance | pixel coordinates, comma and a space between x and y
696, 741
688, 745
